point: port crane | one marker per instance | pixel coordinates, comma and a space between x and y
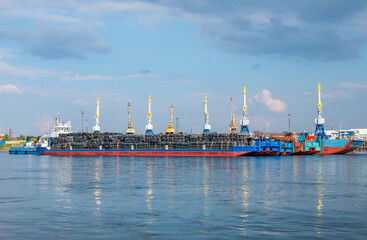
130, 129
97, 128
170, 129
319, 121
244, 122
207, 126
149, 126
233, 127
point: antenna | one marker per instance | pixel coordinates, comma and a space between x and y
289, 122
82, 120
177, 127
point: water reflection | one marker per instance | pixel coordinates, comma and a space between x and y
44, 183
63, 180
295, 169
320, 195
149, 192
171, 184
244, 196
166, 198
206, 186
130, 181
117, 167
97, 191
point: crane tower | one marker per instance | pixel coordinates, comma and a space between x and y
97, 128
170, 129
233, 127
130, 129
207, 126
149, 126
244, 122
319, 121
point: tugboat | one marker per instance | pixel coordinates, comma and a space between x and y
28, 148
45, 142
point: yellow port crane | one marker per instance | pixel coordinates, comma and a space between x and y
232, 127
207, 126
170, 129
130, 129
97, 128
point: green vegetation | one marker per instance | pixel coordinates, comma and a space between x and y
6, 137
21, 137
7, 147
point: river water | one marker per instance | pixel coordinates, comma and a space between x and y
305, 197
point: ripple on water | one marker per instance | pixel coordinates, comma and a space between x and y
183, 198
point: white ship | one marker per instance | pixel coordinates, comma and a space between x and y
59, 128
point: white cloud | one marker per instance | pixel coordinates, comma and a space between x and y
353, 85
21, 71
307, 93
79, 102
274, 105
259, 123
6, 53
9, 88
10, 70
183, 81
97, 77
44, 123
40, 14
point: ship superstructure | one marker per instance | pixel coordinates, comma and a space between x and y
60, 127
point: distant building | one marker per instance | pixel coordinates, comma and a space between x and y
333, 134
357, 133
2, 136
361, 132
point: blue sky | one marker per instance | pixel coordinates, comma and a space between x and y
58, 57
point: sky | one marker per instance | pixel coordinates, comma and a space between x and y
57, 57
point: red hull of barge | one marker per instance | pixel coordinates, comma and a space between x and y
145, 153
338, 150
